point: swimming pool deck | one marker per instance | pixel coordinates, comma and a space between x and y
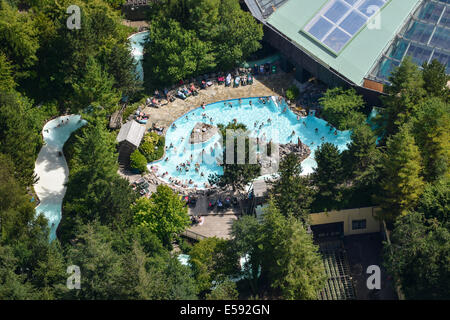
215, 226
272, 85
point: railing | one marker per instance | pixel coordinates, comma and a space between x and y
193, 235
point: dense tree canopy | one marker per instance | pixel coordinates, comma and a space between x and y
164, 214
189, 38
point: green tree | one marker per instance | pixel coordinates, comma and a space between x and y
212, 261
16, 210
13, 286
99, 263
401, 184
405, 91
6, 75
341, 108
163, 214
95, 190
246, 239
419, 257
19, 39
291, 192
434, 201
96, 87
240, 35
237, 175
225, 290
435, 79
19, 138
327, 177
138, 161
431, 129
362, 166
291, 262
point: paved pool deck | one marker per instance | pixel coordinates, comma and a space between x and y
271, 85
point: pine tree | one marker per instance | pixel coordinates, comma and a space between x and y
404, 93
401, 183
327, 177
291, 260
435, 79
431, 131
291, 192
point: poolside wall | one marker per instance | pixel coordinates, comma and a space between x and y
347, 216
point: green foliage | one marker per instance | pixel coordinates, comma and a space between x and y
225, 290
341, 108
291, 192
95, 88
435, 79
19, 136
362, 167
290, 263
152, 146
327, 177
189, 38
292, 93
64, 70
212, 261
16, 210
401, 183
419, 257
235, 175
6, 74
174, 53
434, 201
95, 190
246, 240
290, 259
138, 161
403, 95
431, 130
163, 214
18, 37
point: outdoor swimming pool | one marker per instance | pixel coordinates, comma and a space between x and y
52, 169
137, 50
280, 130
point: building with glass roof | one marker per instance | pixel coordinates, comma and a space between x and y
355, 42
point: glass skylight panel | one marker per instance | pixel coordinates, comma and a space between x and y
337, 11
419, 54
445, 20
337, 39
431, 12
353, 22
441, 38
340, 20
321, 28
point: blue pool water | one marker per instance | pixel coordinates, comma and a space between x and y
137, 50
280, 130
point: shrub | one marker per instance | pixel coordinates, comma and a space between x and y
138, 161
292, 93
152, 146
